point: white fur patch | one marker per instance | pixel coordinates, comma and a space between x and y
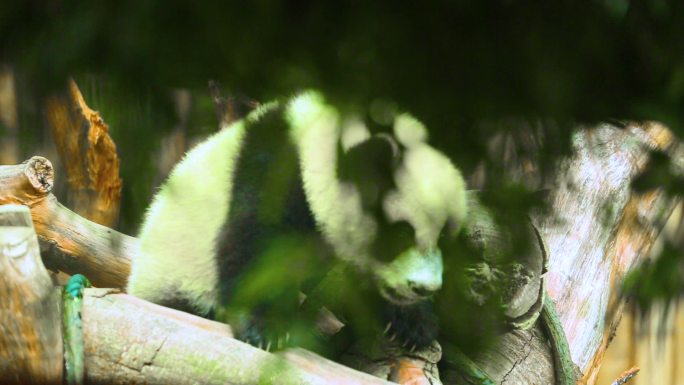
354, 132
177, 240
336, 206
430, 192
409, 130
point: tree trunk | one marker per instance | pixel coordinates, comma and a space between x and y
30, 342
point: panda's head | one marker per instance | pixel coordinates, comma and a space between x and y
416, 194
381, 200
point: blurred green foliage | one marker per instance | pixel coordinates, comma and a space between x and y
657, 281
440, 60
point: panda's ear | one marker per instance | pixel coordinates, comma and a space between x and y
370, 166
409, 130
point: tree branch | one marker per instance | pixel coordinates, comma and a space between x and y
69, 242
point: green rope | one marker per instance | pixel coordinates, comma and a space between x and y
567, 373
73, 329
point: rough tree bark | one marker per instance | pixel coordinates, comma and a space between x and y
601, 229
128, 340
597, 230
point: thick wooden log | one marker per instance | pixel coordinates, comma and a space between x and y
69, 242
31, 339
89, 156
128, 340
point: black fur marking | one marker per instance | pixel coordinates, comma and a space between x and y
370, 166
266, 167
178, 300
269, 229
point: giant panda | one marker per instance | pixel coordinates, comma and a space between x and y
279, 191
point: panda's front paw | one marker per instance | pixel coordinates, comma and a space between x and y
409, 339
411, 327
269, 336
257, 334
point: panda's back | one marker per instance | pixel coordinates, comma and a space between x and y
175, 265
228, 199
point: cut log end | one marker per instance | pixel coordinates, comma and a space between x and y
40, 174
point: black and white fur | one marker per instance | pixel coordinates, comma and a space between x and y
271, 182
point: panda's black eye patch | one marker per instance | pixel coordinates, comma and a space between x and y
392, 239
370, 166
